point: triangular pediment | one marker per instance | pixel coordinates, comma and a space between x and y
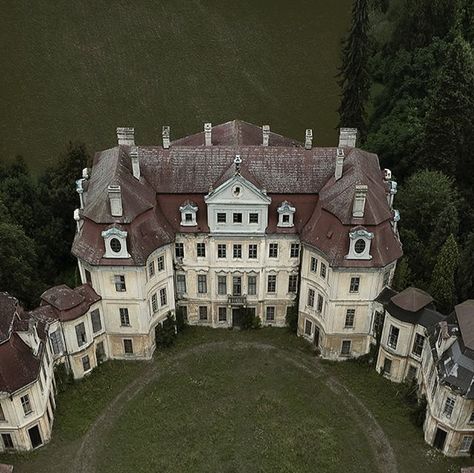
237, 189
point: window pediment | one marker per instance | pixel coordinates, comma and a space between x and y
285, 214
188, 214
115, 241
359, 244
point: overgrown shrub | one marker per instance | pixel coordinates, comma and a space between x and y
248, 320
181, 322
291, 318
417, 416
165, 333
63, 377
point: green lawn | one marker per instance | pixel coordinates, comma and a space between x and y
75, 70
202, 407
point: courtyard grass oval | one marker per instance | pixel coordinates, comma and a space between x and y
235, 408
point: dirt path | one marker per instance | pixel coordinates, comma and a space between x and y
84, 461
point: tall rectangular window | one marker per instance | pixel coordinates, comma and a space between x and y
294, 250
163, 297
449, 407
7, 441
237, 217
202, 284
2, 414
311, 294
271, 286
471, 418
386, 278
128, 346
222, 285
221, 251
393, 337
56, 342
346, 347
354, 286
273, 250
308, 327
119, 281
387, 366
466, 444
124, 317
350, 314
320, 302
270, 314
181, 283
322, 270
252, 251
201, 250
222, 314
202, 312
81, 334
313, 264
86, 363
221, 217
88, 277
26, 404
161, 262
236, 285
253, 218
96, 322
252, 285
292, 283
412, 372
154, 303
237, 251
418, 344
151, 269
179, 250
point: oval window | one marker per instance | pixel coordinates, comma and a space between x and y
359, 246
237, 191
115, 245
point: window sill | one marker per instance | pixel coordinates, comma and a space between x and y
125, 325
348, 327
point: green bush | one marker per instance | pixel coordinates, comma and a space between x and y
291, 318
165, 333
63, 377
181, 322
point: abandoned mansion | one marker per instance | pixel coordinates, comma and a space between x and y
234, 217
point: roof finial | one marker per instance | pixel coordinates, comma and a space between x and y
237, 162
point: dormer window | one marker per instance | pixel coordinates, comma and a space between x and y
359, 244
115, 241
188, 214
285, 214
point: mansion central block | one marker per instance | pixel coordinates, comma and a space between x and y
236, 216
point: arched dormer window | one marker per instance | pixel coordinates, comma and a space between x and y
188, 214
359, 243
115, 243
285, 214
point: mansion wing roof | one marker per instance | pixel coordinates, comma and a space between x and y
189, 170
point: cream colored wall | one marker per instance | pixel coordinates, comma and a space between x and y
335, 290
212, 266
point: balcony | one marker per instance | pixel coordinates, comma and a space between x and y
237, 300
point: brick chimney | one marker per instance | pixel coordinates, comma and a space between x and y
135, 162
339, 163
115, 199
359, 201
266, 134
308, 138
126, 136
208, 134
347, 137
165, 134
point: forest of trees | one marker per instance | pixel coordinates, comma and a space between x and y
37, 226
416, 111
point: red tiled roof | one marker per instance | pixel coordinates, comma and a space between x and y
465, 316
18, 366
285, 169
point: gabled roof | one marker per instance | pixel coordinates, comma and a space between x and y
412, 299
465, 316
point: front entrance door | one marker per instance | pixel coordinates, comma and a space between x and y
236, 318
440, 438
316, 336
35, 436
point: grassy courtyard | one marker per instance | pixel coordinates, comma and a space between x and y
233, 402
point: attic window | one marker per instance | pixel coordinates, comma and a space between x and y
285, 214
237, 191
188, 214
115, 245
359, 244
115, 241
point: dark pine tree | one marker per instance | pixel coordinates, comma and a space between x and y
449, 123
353, 75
